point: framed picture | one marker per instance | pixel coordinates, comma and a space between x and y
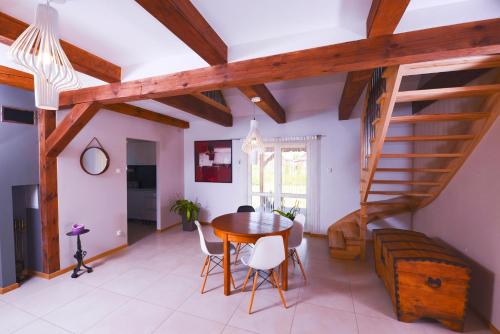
213, 161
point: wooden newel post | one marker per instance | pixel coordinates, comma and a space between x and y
48, 193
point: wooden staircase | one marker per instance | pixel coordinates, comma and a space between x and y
436, 144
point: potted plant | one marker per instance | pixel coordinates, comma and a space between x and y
189, 211
291, 213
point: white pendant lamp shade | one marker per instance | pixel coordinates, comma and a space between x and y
38, 49
253, 144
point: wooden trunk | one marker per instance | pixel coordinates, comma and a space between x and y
423, 278
430, 285
390, 234
388, 270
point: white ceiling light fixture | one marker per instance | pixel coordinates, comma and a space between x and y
38, 49
253, 144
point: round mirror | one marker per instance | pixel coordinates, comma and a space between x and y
94, 160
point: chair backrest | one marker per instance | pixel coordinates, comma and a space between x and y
268, 253
246, 208
300, 218
203, 243
296, 234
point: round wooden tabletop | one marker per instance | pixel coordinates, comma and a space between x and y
255, 224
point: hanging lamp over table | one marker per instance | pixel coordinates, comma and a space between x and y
253, 145
38, 49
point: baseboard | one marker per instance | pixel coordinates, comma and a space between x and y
168, 228
9, 288
491, 327
70, 268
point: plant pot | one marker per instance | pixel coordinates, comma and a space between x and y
188, 225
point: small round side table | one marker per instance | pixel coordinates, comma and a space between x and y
79, 255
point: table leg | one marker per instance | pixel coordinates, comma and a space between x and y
284, 266
227, 266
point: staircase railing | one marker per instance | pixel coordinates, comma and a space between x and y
380, 102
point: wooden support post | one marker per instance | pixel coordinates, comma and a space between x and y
48, 194
363, 223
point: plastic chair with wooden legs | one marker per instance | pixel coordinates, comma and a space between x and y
267, 254
214, 252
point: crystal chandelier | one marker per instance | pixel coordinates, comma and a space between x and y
38, 49
253, 144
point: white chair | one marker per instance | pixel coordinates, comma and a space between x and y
215, 254
268, 253
294, 241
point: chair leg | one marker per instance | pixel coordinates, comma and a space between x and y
204, 265
293, 258
279, 289
206, 275
238, 247
246, 280
300, 265
232, 280
255, 278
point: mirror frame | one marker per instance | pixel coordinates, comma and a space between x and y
105, 154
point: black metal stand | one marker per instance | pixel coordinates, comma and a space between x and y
79, 255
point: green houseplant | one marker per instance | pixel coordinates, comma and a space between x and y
290, 213
189, 211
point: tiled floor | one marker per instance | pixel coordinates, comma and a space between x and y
153, 287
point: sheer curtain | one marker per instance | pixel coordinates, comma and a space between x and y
313, 184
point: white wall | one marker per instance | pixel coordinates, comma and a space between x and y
100, 202
339, 153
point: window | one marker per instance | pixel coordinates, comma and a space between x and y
279, 180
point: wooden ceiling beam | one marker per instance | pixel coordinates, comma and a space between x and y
194, 106
354, 86
15, 78
187, 23
473, 38
383, 18
23, 80
268, 103
83, 61
70, 126
134, 111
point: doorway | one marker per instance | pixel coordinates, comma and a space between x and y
142, 213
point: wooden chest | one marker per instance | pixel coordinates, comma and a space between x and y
381, 237
423, 278
390, 246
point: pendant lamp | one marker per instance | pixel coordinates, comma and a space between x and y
253, 144
38, 50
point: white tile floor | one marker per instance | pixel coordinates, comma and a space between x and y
153, 287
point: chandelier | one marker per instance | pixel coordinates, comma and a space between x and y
38, 49
253, 144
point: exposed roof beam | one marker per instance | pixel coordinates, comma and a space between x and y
195, 106
473, 38
382, 20
15, 78
83, 61
446, 79
268, 103
355, 83
70, 126
384, 16
184, 20
20, 79
134, 111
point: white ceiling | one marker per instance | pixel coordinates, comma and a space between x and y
122, 32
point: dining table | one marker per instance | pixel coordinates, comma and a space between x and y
248, 227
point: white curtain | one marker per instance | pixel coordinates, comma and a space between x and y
313, 224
